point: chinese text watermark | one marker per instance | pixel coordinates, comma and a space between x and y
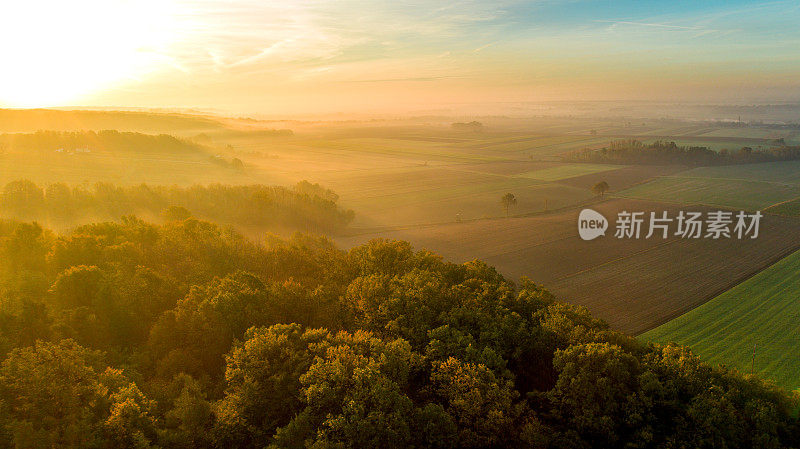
687, 225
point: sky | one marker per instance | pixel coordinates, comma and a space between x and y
310, 56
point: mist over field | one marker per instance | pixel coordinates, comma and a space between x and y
358, 224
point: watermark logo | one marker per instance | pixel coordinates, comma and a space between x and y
591, 224
686, 225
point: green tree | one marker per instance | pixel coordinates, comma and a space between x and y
354, 396
483, 406
261, 372
62, 395
597, 393
188, 423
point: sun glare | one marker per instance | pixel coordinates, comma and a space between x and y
54, 52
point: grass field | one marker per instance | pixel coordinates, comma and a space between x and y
622, 178
536, 146
762, 312
748, 186
779, 172
567, 171
727, 193
421, 195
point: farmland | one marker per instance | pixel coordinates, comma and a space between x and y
789, 208
726, 193
779, 172
750, 186
439, 188
760, 313
634, 284
567, 171
622, 178
435, 195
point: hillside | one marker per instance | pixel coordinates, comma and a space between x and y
751, 327
31, 120
185, 335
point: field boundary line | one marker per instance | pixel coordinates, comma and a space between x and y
781, 202
741, 280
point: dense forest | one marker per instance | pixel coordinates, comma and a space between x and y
186, 334
305, 206
106, 140
631, 151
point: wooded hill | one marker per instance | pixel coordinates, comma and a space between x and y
186, 335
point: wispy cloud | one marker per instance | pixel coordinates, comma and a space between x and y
650, 24
396, 80
480, 46
483, 47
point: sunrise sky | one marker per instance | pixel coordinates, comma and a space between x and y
351, 55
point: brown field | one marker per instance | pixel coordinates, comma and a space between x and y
622, 178
635, 285
503, 168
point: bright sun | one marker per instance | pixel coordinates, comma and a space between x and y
53, 52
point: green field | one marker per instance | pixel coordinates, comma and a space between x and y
782, 171
568, 171
786, 208
750, 186
536, 146
764, 312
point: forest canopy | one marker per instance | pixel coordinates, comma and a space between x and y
187, 334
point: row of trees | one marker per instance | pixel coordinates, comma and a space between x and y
187, 335
305, 206
631, 151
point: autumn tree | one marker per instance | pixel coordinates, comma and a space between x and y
295, 343
63, 395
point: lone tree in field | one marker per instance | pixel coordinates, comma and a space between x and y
508, 200
600, 188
